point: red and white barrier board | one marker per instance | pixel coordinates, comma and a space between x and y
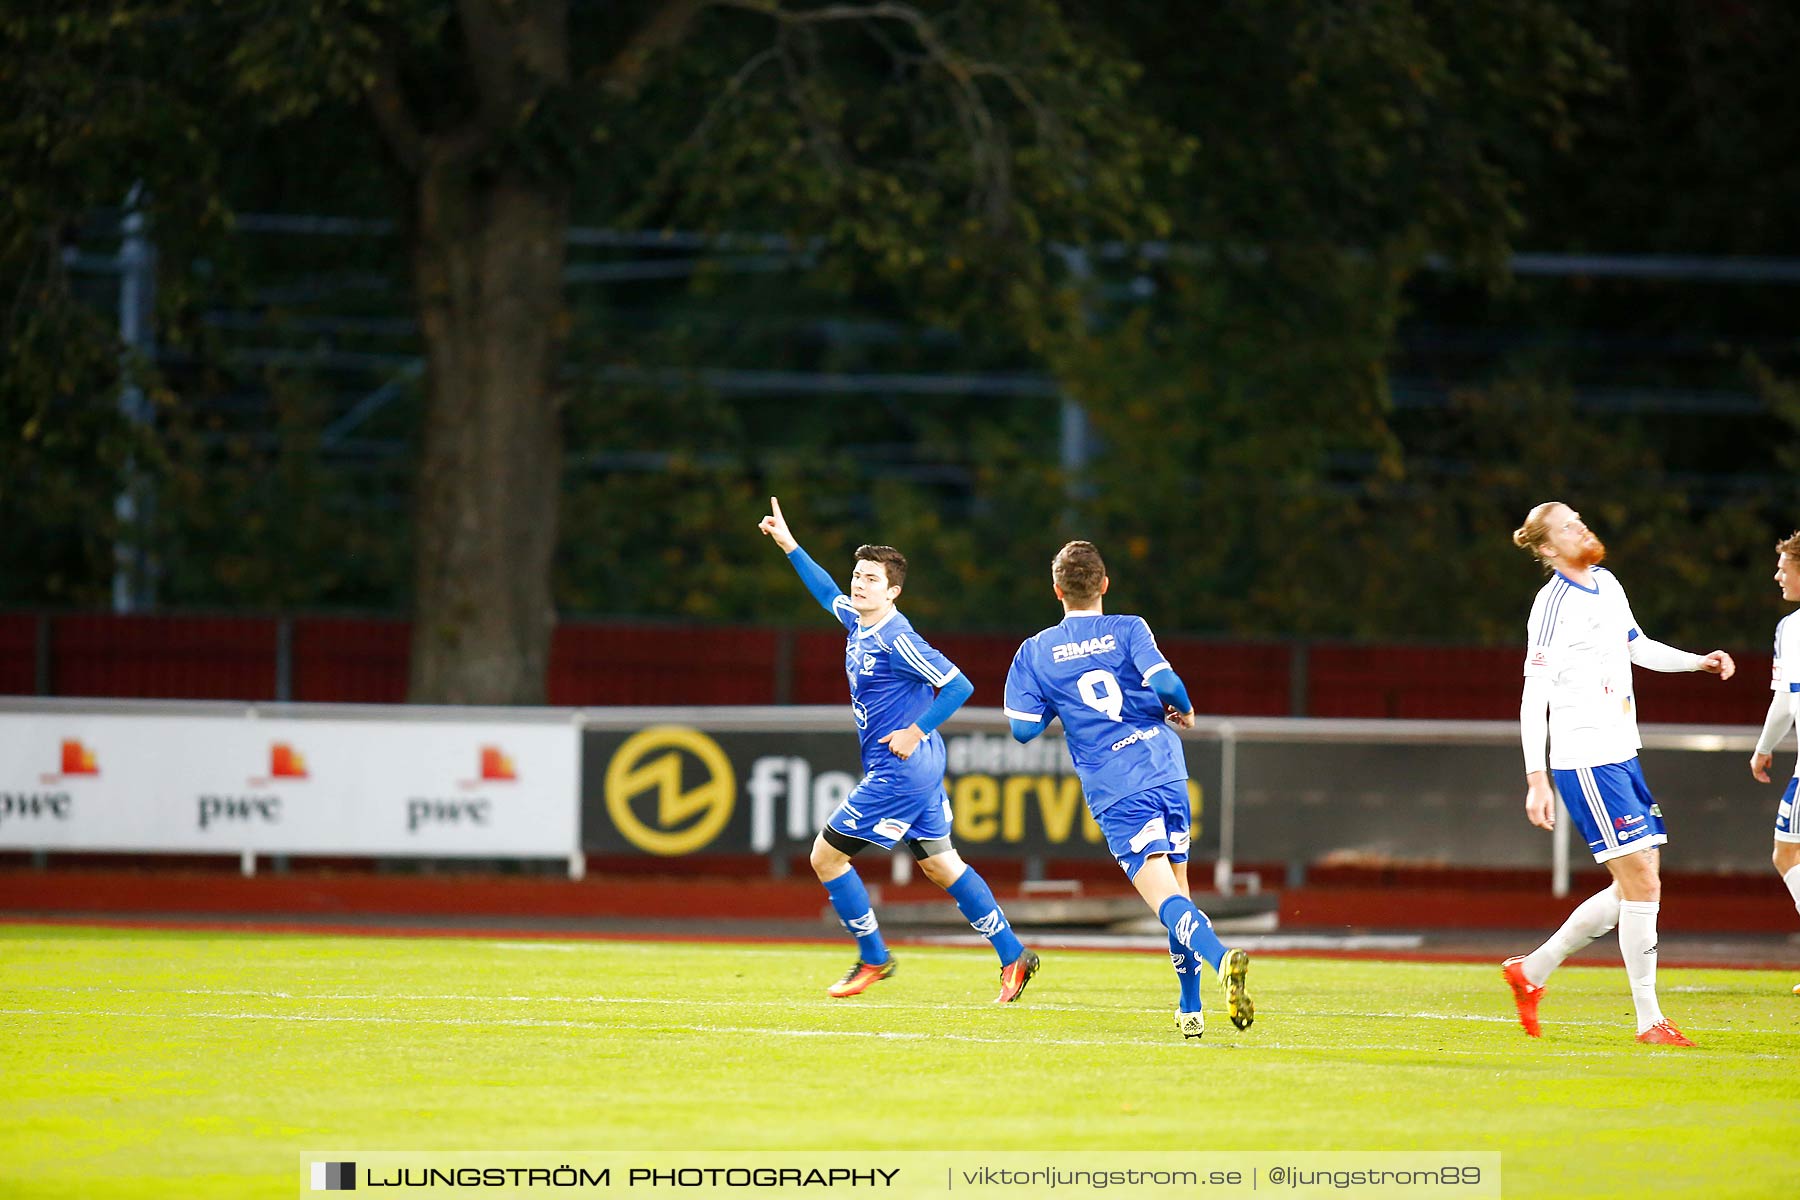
237, 783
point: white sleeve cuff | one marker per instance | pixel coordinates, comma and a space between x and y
1016, 715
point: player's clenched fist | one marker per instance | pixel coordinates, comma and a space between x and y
775, 525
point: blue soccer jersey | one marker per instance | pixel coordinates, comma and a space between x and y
894, 675
1094, 672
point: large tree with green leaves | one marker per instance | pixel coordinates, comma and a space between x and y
1234, 376
996, 168
956, 137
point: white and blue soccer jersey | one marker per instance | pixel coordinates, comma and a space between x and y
1784, 675
894, 675
1784, 681
1093, 671
1580, 639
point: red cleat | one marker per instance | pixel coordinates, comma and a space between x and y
860, 977
1015, 975
1525, 994
1663, 1034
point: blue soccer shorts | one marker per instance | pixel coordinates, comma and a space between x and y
1612, 807
1145, 824
883, 816
1784, 815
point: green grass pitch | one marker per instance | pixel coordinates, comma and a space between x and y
138, 1063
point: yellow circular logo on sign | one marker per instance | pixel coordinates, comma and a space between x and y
687, 819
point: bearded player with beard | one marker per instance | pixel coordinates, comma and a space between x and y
1582, 643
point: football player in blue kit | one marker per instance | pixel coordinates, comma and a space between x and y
894, 674
1113, 690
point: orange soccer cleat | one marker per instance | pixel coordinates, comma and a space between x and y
1663, 1034
1525, 994
860, 977
1015, 975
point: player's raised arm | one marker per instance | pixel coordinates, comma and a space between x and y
776, 526
820, 584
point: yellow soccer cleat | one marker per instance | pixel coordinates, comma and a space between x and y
1238, 1006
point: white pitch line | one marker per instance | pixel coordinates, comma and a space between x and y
535, 1023
868, 1034
839, 1008
455, 998
788, 1005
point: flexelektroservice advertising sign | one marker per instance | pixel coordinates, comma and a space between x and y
679, 789
283, 786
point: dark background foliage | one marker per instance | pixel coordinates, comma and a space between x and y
1269, 252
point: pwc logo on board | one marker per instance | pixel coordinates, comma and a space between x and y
78, 761
286, 765
495, 766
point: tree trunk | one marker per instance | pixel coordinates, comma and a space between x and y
488, 262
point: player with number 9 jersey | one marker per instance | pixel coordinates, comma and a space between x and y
1094, 671
1116, 696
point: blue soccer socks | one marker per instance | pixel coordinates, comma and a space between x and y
1187, 974
976, 901
850, 899
1189, 927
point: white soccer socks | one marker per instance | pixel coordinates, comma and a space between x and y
1792, 879
1592, 918
1637, 942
